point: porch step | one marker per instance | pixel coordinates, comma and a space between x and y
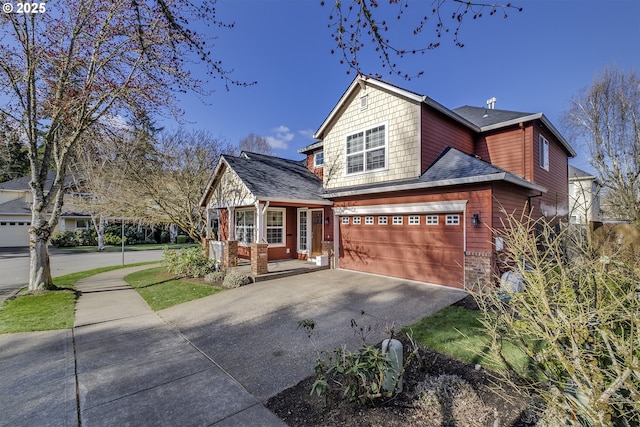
284, 273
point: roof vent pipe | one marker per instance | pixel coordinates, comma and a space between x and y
491, 103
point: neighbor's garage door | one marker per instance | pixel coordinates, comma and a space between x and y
14, 234
427, 248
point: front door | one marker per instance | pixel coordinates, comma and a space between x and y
316, 233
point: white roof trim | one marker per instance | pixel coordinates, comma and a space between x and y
355, 85
529, 118
408, 208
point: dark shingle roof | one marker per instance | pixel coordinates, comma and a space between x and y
16, 207
453, 167
22, 183
454, 164
482, 117
270, 177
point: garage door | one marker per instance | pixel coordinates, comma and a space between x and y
427, 248
14, 234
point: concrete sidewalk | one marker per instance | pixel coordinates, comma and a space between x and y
131, 368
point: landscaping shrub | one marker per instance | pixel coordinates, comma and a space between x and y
112, 239
577, 319
181, 240
235, 280
64, 239
215, 277
188, 262
356, 376
86, 237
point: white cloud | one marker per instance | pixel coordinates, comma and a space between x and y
307, 133
281, 138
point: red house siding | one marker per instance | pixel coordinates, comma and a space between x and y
555, 202
319, 172
507, 149
438, 133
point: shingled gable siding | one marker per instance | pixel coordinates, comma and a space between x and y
440, 132
401, 118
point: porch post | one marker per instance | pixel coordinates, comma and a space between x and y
231, 235
261, 227
208, 227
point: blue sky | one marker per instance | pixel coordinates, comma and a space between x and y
534, 61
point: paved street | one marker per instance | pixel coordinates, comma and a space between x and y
14, 264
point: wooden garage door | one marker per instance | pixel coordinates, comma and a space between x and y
427, 248
14, 233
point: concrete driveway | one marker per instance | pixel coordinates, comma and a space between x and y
251, 332
213, 361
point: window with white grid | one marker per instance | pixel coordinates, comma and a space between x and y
453, 220
368, 220
432, 219
383, 220
397, 220
414, 220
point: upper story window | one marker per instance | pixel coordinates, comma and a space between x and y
318, 159
544, 153
367, 150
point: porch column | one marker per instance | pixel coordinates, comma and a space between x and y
261, 224
208, 226
231, 223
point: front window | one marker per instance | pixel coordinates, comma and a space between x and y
367, 150
275, 226
82, 224
245, 227
318, 159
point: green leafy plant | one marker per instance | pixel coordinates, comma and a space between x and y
235, 279
188, 262
357, 376
64, 239
215, 277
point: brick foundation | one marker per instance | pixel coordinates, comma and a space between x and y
477, 270
259, 258
230, 254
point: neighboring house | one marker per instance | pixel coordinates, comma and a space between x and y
584, 197
397, 185
15, 211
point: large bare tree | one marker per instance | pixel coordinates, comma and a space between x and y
74, 62
362, 28
605, 117
153, 176
256, 144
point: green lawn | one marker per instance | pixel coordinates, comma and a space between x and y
457, 331
45, 312
49, 310
161, 290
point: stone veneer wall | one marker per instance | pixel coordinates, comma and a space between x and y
259, 258
230, 254
327, 249
477, 269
